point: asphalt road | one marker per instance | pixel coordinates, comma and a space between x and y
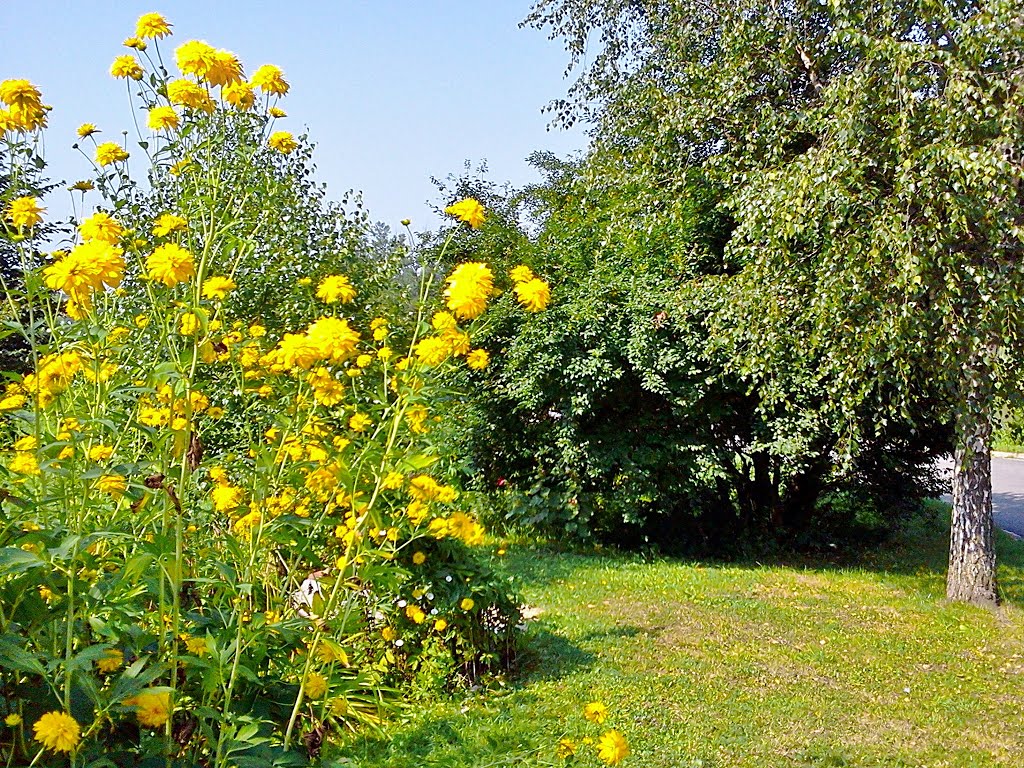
1007, 493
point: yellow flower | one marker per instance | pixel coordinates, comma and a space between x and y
256, 331
533, 294
415, 613
134, 42
469, 287
359, 422
87, 268
57, 731
25, 212
115, 485
217, 287
283, 142
103, 227
170, 264
110, 152
216, 412
277, 112
166, 223
226, 498
419, 558
189, 324
467, 604
100, 452
197, 646
188, 94
27, 112
82, 186
335, 288
111, 661
612, 748
596, 712
152, 25
566, 748
440, 625
151, 708
162, 118
12, 720
226, 68
315, 686
389, 634
521, 274
270, 79
126, 66
85, 130
433, 350
196, 57
239, 95
469, 211
24, 464
478, 359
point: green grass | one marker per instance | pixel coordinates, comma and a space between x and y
810, 663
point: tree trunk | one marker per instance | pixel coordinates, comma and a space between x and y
972, 557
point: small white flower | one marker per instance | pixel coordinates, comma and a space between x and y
402, 603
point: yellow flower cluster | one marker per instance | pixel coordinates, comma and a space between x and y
532, 292
469, 211
24, 212
469, 287
57, 731
25, 109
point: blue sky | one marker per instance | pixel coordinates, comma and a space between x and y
391, 91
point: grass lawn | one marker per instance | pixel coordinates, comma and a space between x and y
808, 663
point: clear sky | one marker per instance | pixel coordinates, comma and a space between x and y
392, 91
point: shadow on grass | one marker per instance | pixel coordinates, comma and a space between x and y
547, 656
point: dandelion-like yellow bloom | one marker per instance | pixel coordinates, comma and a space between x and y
135, 43
440, 625
534, 294
419, 558
226, 498
166, 223
612, 748
188, 325
110, 152
86, 269
27, 112
102, 227
315, 685
218, 287
115, 485
335, 288
82, 186
152, 25
469, 211
283, 142
111, 661
197, 646
170, 264
415, 613
162, 118
100, 452
25, 212
359, 422
57, 731
24, 464
270, 79
152, 709
196, 57
189, 94
226, 69
239, 95
277, 112
85, 130
566, 748
596, 712
126, 66
521, 274
13, 720
466, 604
478, 359
469, 287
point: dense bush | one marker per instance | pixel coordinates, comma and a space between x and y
617, 414
172, 591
